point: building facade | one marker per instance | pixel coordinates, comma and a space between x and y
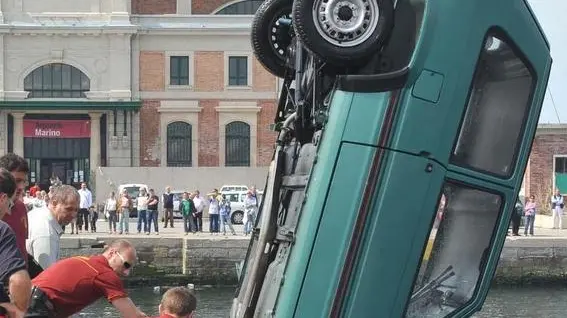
167, 92
159, 92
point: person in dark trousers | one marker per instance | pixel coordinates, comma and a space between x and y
168, 207
84, 205
517, 217
94, 218
152, 213
188, 212
14, 276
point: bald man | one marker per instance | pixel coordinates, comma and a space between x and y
74, 283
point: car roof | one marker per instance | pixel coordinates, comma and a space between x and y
133, 185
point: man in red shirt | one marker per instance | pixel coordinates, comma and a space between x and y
17, 218
70, 285
14, 278
178, 302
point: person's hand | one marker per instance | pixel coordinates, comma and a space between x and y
13, 311
141, 313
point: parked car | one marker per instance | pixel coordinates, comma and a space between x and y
133, 190
177, 197
233, 188
236, 199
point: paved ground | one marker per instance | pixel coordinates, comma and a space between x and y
542, 237
176, 231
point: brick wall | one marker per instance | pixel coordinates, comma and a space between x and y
262, 80
208, 134
266, 137
209, 76
540, 171
149, 133
152, 71
209, 71
206, 6
154, 6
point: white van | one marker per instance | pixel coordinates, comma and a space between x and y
133, 190
233, 188
236, 199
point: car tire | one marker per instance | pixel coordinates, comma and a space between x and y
269, 39
237, 217
313, 22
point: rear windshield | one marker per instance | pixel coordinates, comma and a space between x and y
133, 191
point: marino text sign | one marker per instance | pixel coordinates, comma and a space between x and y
57, 128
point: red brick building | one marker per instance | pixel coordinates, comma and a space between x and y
547, 167
216, 98
161, 92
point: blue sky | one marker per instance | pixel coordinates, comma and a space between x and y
551, 16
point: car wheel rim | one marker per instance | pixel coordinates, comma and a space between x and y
346, 23
280, 36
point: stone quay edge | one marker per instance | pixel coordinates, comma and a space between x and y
209, 260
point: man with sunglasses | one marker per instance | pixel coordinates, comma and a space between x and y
70, 285
14, 278
17, 216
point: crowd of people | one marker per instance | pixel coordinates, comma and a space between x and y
35, 283
118, 209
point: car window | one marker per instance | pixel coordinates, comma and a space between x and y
233, 197
133, 191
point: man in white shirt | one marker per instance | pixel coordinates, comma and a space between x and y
84, 205
45, 224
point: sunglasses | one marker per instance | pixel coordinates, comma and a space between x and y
124, 262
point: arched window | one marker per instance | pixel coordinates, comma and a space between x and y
57, 80
179, 152
237, 144
241, 7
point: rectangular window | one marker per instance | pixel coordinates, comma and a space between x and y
498, 106
179, 70
560, 170
238, 71
457, 249
561, 164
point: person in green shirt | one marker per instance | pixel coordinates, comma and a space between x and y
188, 210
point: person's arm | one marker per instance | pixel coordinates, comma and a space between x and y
13, 311
127, 308
20, 289
90, 198
113, 290
44, 251
13, 268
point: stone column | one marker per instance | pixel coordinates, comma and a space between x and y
119, 13
95, 142
18, 133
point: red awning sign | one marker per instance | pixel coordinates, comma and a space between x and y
57, 128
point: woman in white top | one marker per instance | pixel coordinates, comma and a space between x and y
110, 213
250, 211
39, 200
142, 206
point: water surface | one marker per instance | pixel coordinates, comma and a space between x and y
527, 301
